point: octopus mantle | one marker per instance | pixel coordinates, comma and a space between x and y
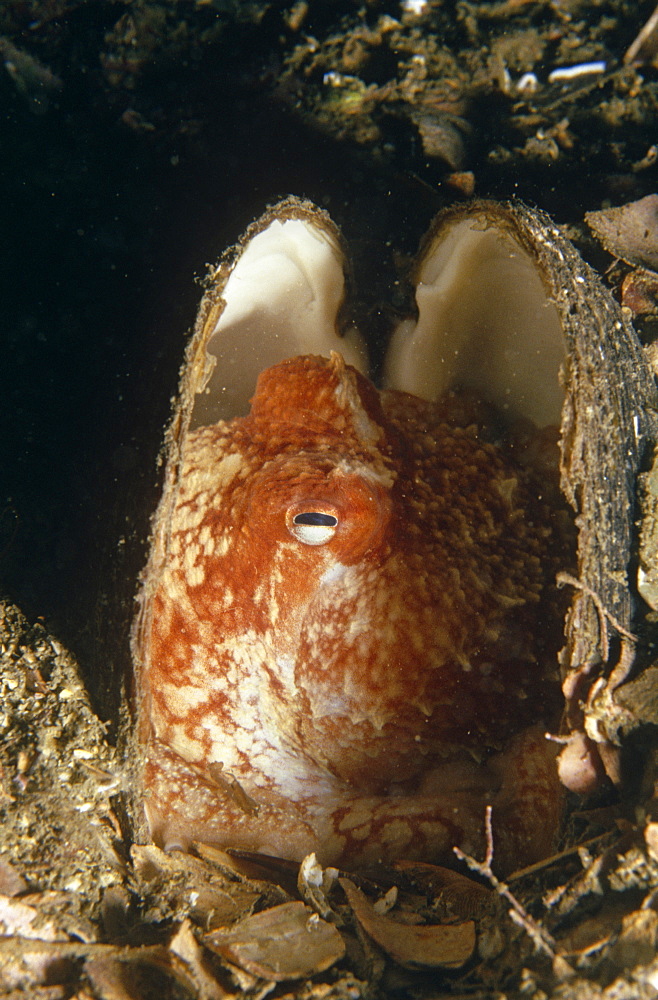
350, 648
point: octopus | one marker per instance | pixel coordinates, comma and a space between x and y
342, 654
349, 624
350, 638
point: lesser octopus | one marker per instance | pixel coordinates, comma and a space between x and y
351, 646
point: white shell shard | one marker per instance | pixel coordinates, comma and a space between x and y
485, 322
281, 299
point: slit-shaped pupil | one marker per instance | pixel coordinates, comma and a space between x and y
315, 517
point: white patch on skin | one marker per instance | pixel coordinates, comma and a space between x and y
269, 589
380, 475
180, 699
230, 747
190, 515
207, 541
287, 772
356, 627
207, 630
176, 591
205, 670
247, 649
222, 544
286, 667
226, 470
326, 702
190, 556
205, 466
332, 574
347, 396
195, 575
362, 832
191, 750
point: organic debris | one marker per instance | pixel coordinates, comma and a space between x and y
630, 231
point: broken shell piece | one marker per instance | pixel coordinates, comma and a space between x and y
279, 295
447, 946
284, 942
639, 292
630, 231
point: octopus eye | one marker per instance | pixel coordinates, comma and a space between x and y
313, 527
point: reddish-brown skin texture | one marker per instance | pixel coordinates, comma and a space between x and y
364, 687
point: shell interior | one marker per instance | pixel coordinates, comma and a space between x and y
281, 299
485, 322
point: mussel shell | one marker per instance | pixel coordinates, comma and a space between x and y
608, 426
609, 429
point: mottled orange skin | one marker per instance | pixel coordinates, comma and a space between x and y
365, 696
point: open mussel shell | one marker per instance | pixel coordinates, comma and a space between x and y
506, 307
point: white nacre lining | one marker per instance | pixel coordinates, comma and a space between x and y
282, 299
485, 322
